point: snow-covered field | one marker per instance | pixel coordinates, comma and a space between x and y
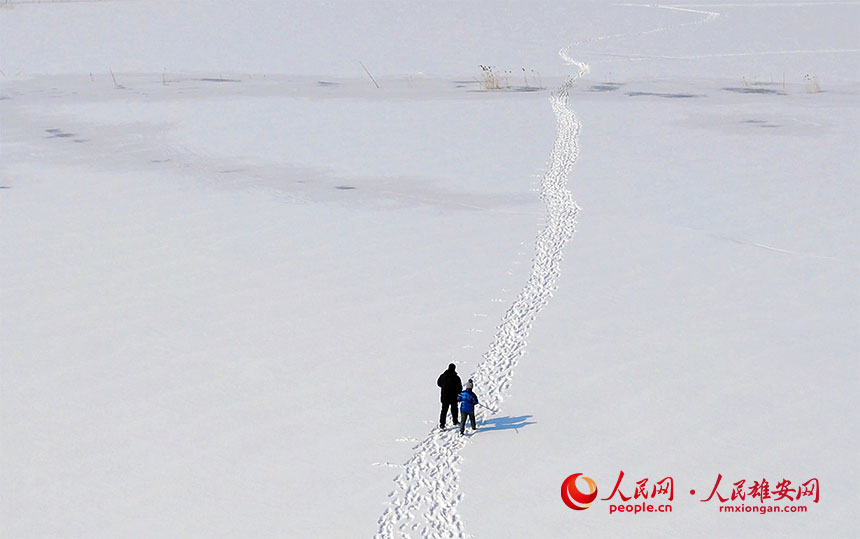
232, 268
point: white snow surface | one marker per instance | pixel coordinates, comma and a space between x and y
232, 268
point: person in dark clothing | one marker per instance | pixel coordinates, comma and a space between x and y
468, 400
451, 386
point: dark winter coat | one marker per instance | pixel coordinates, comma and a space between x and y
467, 400
451, 385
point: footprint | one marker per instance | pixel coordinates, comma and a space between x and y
427, 492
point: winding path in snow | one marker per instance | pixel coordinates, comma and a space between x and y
424, 502
705, 17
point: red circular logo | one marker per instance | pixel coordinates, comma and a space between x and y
573, 497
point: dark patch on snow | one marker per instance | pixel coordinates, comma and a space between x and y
218, 80
4, 97
760, 123
754, 91
666, 95
327, 83
80, 140
344, 187
5, 187
230, 171
510, 89
607, 87
58, 133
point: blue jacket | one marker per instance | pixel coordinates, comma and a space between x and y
467, 401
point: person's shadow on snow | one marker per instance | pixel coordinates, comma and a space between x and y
505, 423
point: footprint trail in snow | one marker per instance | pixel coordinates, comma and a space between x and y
424, 502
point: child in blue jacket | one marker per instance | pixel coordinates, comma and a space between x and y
467, 401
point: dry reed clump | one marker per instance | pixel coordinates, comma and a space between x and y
490, 79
